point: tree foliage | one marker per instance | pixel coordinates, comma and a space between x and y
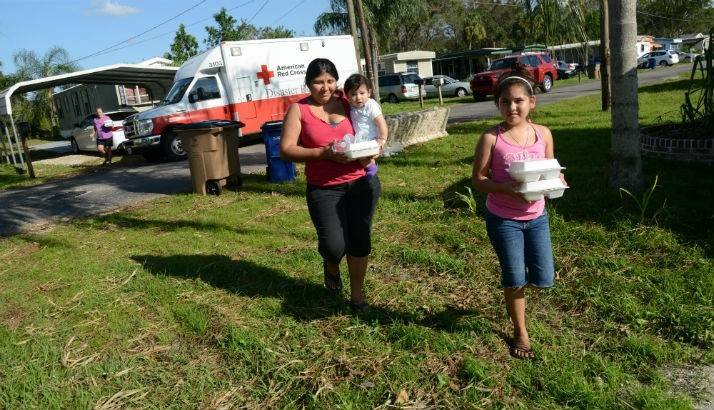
229, 29
457, 25
40, 108
671, 18
184, 46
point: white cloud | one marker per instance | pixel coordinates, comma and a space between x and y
112, 8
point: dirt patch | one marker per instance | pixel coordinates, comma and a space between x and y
678, 131
694, 381
20, 251
70, 160
12, 317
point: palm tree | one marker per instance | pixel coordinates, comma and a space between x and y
30, 67
625, 161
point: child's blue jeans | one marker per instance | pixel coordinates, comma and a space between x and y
524, 250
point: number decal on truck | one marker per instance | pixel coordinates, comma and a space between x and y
213, 64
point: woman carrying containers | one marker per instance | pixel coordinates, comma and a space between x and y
341, 198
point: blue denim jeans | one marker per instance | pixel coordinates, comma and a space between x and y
524, 250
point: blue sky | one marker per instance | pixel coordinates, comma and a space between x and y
84, 27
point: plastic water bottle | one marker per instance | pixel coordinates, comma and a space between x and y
343, 145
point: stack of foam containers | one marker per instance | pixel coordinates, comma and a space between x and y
538, 178
362, 149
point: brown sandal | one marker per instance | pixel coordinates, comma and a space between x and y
521, 352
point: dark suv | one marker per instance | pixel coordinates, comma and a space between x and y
539, 65
399, 87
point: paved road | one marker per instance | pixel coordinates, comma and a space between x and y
102, 191
118, 186
487, 109
59, 147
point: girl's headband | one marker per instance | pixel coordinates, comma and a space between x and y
515, 77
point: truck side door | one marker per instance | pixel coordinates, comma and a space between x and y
245, 104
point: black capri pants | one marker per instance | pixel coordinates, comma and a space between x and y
342, 215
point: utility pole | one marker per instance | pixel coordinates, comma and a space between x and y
605, 55
353, 29
365, 40
375, 68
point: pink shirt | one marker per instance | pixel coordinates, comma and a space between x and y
316, 133
502, 155
103, 133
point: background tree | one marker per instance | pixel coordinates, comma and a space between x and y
671, 18
184, 46
29, 67
226, 30
625, 161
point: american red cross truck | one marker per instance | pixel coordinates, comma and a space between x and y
249, 81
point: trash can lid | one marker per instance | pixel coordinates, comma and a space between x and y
272, 125
210, 124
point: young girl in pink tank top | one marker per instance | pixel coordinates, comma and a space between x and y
518, 229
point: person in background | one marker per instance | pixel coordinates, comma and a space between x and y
104, 135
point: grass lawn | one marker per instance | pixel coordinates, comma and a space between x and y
194, 301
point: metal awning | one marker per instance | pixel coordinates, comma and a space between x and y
155, 78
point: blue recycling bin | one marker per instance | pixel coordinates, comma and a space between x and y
278, 169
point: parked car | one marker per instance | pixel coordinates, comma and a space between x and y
662, 57
566, 70
399, 87
540, 66
686, 57
450, 87
82, 135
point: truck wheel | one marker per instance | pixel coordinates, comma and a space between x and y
75, 146
460, 92
213, 188
171, 147
547, 83
392, 99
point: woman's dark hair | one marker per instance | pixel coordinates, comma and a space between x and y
356, 81
319, 66
517, 76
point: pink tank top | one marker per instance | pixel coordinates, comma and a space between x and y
502, 155
317, 133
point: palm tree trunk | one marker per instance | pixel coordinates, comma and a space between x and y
625, 161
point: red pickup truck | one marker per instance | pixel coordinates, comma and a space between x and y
539, 65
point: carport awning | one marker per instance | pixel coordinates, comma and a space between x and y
156, 78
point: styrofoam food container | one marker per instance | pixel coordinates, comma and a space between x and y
362, 149
534, 169
534, 191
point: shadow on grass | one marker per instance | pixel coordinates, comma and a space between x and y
301, 299
129, 222
683, 201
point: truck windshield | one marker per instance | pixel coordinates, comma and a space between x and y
177, 91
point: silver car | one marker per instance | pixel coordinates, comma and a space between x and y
84, 140
451, 87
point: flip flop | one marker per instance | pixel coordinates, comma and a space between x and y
333, 283
520, 352
359, 307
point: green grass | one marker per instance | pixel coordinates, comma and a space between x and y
194, 301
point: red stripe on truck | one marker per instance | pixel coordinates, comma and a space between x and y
252, 113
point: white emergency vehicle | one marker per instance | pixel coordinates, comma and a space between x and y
249, 81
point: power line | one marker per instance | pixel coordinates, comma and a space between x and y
140, 34
661, 17
114, 49
265, 3
288, 12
